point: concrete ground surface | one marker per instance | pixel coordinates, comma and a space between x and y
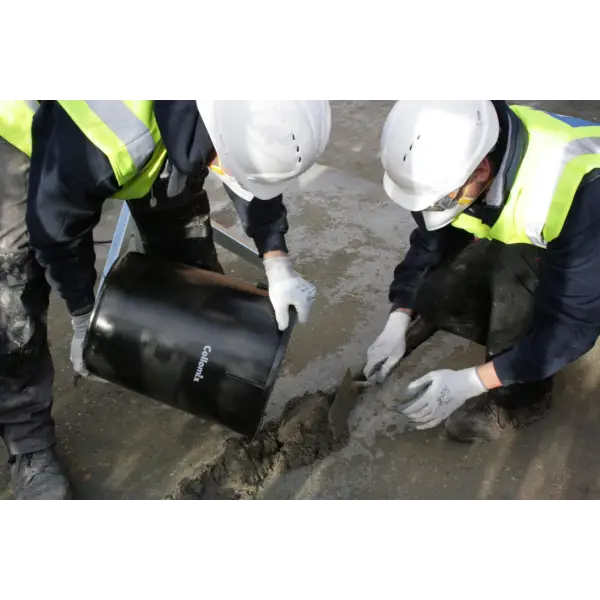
346, 237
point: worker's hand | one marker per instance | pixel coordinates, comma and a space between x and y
286, 289
438, 394
80, 325
389, 347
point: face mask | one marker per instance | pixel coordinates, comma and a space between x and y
217, 169
436, 219
445, 210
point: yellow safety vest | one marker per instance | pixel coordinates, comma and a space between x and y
127, 133
557, 158
16, 118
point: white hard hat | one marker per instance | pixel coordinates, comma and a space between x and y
263, 144
429, 148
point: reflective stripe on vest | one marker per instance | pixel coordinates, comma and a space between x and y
558, 156
16, 118
127, 133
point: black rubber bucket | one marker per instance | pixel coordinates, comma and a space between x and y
199, 341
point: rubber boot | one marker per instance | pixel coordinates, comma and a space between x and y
38, 476
482, 420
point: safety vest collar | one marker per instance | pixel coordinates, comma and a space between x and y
559, 157
513, 146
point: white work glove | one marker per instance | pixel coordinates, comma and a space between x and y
287, 288
387, 350
438, 394
80, 325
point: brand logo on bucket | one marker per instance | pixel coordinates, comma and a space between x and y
203, 360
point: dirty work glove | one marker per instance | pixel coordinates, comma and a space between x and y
438, 394
389, 347
80, 325
287, 288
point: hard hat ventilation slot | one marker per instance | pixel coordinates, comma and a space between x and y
410, 149
297, 149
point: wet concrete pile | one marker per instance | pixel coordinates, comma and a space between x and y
310, 429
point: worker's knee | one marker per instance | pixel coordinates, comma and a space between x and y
515, 272
459, 287
197, 250
455, 298
23, 305
440, 296
23, 343
178, 229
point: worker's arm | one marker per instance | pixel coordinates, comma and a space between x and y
190, 149
427, 249
566, 322
566, 319
69, 180
265, 221
186, 139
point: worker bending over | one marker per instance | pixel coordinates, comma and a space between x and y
506, 253
156, 155
26, 371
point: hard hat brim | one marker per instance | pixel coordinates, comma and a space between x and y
412, 202
264, 191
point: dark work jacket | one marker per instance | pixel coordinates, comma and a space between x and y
567, 303
70, 179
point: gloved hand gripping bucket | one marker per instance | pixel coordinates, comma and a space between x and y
195, 340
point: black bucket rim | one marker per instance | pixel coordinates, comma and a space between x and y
282, 347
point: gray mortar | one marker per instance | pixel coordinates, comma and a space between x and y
308, 431
311, 428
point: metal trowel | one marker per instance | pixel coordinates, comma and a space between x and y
351, 385
344, 401
346, 396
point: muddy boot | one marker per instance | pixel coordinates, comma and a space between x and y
481, 420
38, 476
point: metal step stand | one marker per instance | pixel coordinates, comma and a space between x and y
126, 239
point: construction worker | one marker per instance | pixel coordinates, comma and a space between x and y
155, 155
26, 371
506, 253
